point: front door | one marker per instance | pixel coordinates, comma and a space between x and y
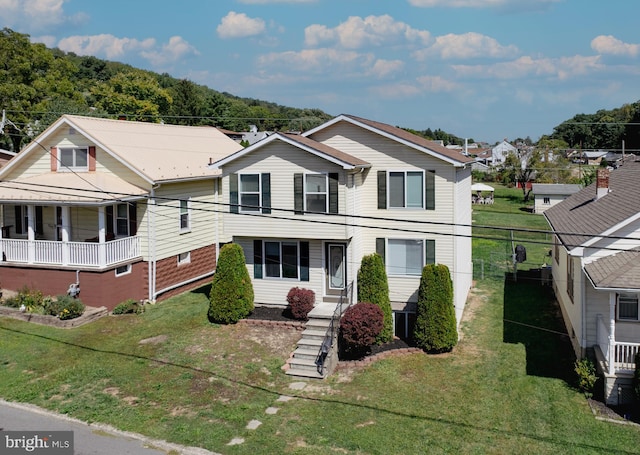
335, 268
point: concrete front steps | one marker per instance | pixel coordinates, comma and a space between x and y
304, 360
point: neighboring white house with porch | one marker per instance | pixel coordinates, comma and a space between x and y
123, 207
596, 273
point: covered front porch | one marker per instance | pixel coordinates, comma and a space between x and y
74, 236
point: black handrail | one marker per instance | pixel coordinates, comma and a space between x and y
330, 334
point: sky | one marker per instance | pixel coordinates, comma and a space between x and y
480, 69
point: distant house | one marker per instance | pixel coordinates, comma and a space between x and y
124, 208
253, 135
593, 157
596, 273
499, 153
549, 194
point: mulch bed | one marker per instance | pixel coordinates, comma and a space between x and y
283, 315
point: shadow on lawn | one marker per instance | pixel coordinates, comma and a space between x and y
532, 317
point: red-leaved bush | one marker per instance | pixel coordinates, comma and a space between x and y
361, 324
301, 301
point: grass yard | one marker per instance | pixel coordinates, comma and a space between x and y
170, 374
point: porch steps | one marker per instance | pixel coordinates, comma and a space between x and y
303, 362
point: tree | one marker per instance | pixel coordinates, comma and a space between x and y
435, 329
135, 94
231, 297
373, 287
30, 77
521, 170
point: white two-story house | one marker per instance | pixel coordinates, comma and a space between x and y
306, 209
123, 208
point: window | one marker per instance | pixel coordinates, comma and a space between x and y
628, 307
122, 219
316, 192
73, 158
546, 201
281, 259
185, 215
570, 277
184, 258
405, 257
556, 249
249, 192
404, 323
123, 270
406, 189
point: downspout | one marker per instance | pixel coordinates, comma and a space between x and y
216, 200
583, 309
152, 244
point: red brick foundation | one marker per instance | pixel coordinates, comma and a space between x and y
169, 273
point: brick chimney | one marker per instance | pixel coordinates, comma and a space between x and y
602, 183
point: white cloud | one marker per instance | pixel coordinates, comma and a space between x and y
467, 45
319, 60
512, 4
171, 52
396, 91
357, 32
613, 46
104, 45
561, 68
437, 84
239, 25
33, 15
383, 68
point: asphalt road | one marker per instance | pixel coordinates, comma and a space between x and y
88, 439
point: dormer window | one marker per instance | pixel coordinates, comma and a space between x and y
73, 159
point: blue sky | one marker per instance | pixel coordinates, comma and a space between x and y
483, 69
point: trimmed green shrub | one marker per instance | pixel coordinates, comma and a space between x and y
587, 378
360, 326
129, 306
231, 297
373, 287
436, 317
300, 302
66, 307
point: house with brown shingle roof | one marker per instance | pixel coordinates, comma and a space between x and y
596, 273
306, 209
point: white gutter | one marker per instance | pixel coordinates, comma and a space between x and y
151, 245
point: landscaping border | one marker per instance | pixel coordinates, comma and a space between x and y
90, 314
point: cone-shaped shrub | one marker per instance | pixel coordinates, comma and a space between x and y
231, 296
436, 317
373, 287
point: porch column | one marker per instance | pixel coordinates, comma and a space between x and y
1, 231
65, 233
31, 234
102, 247
612, 332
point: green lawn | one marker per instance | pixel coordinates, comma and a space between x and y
506, 388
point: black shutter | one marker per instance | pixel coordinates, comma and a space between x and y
430, 190
257, 259
233, 193
333, 193
382, 189
265, 180
133, 218
109, 215
380, 248
19, 219
298, 194
430, 251
304, 261
39, 224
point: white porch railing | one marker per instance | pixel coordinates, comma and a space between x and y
82, 254
620, 356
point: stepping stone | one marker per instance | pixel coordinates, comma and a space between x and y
285, 398
253, 424
297, 385
236, 441
271, 410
